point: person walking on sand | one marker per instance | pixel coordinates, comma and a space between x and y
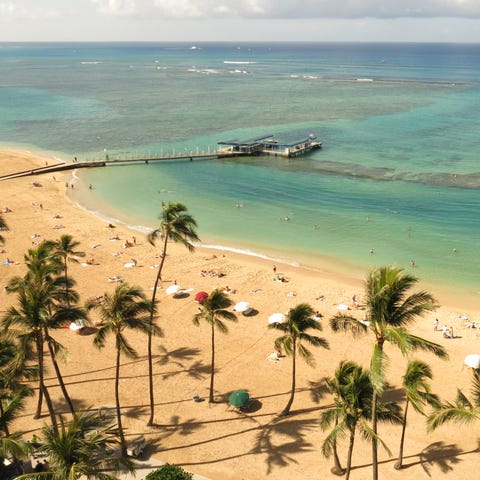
274, 269
435, 325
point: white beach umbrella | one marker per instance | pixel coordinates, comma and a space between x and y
472, 361
172, 289
242, 307
342, 306
276, 318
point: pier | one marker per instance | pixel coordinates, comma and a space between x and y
258, 146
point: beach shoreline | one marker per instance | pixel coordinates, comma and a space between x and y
339, 270
211, 439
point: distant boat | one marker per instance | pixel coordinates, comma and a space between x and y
194, 47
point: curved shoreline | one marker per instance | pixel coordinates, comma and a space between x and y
219, 442
338, 270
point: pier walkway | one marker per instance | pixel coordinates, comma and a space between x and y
107, 161
264, 145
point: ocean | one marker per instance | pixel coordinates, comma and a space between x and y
397, 179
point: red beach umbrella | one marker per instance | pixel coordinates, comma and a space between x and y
200, 297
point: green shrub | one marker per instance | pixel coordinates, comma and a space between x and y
169, 472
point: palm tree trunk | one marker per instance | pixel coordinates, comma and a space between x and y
43, 388
53, 356
212, 373
398, 465
5, 425
286, 410
374, 440
337, 468
39, 345
123, 445
350, 453
67, 295
150, 335
51, 410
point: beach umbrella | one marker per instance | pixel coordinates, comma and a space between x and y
276, 318
172, 289
342, 306
239, 398
472, 361
200, 297
242, 307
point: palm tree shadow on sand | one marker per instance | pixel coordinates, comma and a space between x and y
438, 454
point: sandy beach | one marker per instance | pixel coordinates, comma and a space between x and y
213, 440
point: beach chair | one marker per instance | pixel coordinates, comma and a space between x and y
136, 446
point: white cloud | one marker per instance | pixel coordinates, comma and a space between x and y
10, 10
291, 9
116, 7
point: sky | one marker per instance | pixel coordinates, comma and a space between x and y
241, 20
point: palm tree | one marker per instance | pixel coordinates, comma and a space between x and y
298, 320
30, 315
418, 394
79, 450
11, 444
214, 311
352, 388
462, 410
178, 226
336, 386
65, 248
389, 310
14, 368
40, 298
126, 308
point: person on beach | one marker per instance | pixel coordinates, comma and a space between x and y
435, 325
274, 268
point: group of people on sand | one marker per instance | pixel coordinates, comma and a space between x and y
211, 273
129, 244
447, 332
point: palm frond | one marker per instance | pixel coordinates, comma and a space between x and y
346, 323
378, 367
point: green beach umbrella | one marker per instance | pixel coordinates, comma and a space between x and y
239, 398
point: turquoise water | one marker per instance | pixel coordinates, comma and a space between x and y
398, 171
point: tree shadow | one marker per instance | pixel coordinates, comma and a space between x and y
197, 371
174, 356
135, 412
318, 390
281, 454
60, 405
440, 454
185, 428
396, 395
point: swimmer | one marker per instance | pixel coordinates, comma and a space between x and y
372, 251
412, 263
